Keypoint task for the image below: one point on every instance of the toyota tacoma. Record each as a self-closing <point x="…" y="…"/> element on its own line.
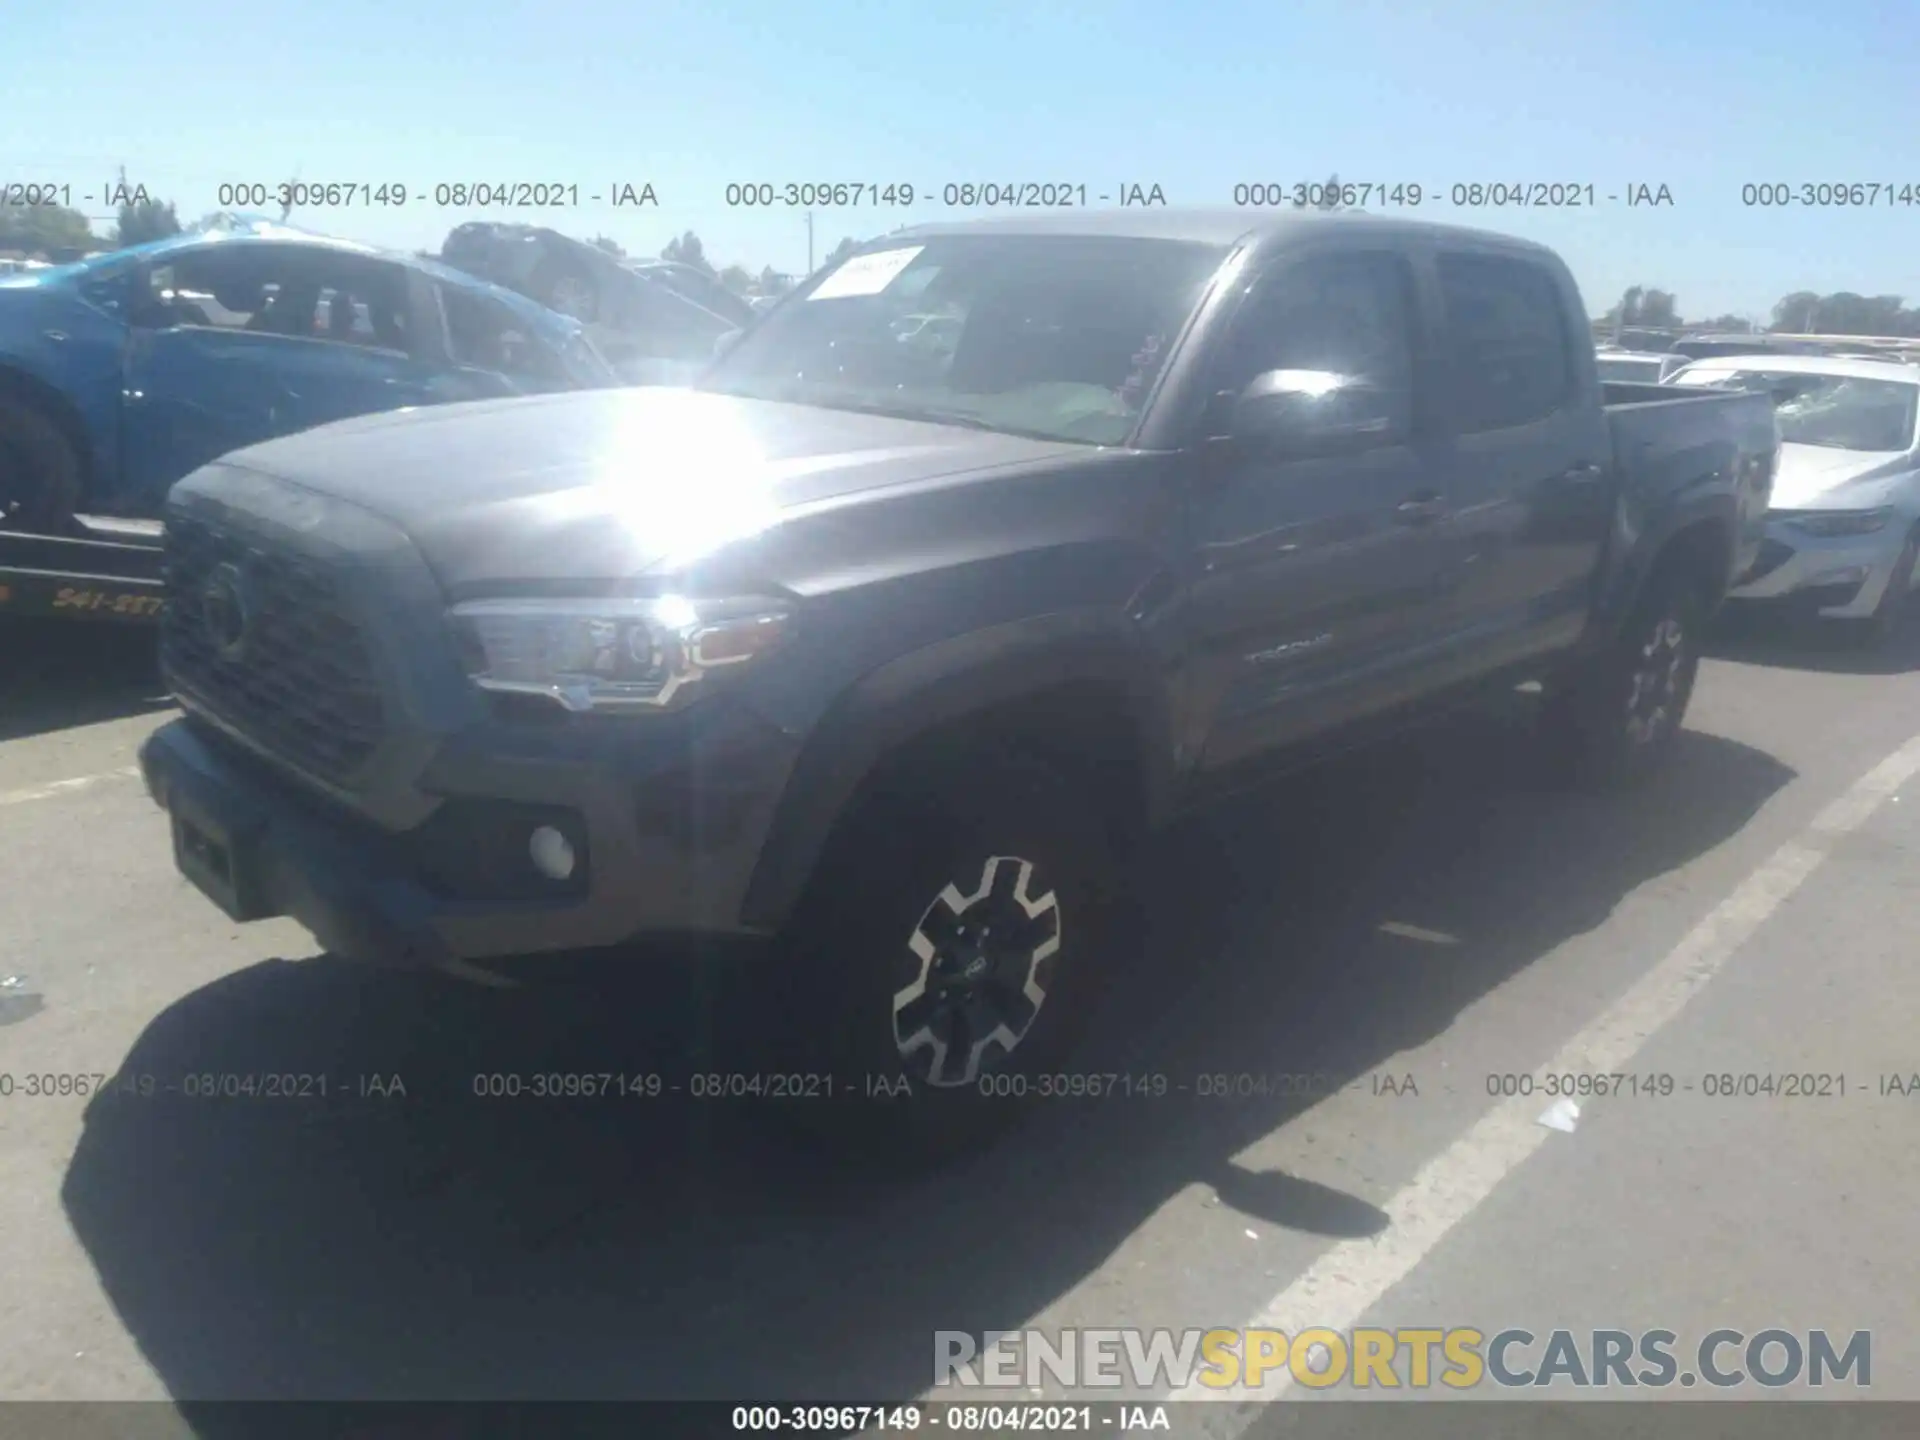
<point x="884" y="655"/>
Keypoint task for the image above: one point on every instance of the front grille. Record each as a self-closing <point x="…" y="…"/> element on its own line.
<point x="301" y="684"/>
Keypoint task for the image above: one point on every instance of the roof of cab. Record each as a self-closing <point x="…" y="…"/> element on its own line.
<point x="1221" y="225"/>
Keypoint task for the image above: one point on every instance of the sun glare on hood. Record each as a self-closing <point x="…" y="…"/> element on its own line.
<point x="686" y="479"/>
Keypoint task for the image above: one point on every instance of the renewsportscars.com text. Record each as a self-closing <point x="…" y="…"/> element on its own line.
<point x="1459" y="1358"/>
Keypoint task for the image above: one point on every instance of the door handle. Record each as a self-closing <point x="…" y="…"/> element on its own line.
<point x="1420" y="509"/>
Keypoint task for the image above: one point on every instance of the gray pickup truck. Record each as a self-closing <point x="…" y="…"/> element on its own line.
<point x="884" y="654"/>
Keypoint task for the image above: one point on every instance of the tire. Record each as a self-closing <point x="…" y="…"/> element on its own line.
<point x="901" y="914"/>
<point x="1618" y="721"/>
<point x="561" y="288"/>
<point x="39" y="472"/>
<point x="1894" y="607"/>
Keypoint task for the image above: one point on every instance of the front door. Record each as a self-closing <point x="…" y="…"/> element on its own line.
<point x="1320" y="583"/>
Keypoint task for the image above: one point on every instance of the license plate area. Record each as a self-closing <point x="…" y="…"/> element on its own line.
<point x="221" y="860"/>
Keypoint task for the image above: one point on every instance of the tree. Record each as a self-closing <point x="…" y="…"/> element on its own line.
<point x="772" y="282"/>
<point x="1843" y="313"/>
<point x="612" y="247"/>
<point x="687" y="250"/>
<point x="840" y="252"/>
<point x="1658" y="310"/>
<point x="143" y="220"/>
<point x="1645" y="308"/>
<point x="40" y="229"/>
<point x="737" y="278"/>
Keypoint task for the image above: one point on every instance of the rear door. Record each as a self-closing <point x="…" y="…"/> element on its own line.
<point x="1529" y="455"/>
<point x="1319" y="584"/>
<point x="238" y="343"/>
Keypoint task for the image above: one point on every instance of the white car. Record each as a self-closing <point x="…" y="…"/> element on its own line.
<point x="1844" y="525"/>
<point x="1635" y="365"/>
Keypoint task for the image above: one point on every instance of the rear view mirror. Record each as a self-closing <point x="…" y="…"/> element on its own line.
<point x="1313" y="411"/>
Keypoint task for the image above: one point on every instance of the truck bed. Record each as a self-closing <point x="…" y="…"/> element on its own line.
<point x="110" y="571"/>
<point x="1669" y="440"/>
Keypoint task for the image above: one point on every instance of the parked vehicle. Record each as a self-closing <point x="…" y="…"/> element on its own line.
<point x="1635" y="366"/>
<point x="887" y="657"/>
<point x="698" y="286"/>
<point x="121" y="373"/>
<point x="636" y="310"/>
<point x="1706" y="347"/>
<point x="1844" y="529"/>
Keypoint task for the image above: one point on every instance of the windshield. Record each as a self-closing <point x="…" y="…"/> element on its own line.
<point x="1838" y="412"/>
<point x="1060" y="337"/>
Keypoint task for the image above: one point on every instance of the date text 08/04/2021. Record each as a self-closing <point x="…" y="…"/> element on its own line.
<point x="962" y="1416"/>
<point x="789" y="1087"/>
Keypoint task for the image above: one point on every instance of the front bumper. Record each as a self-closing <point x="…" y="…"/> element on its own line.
<point x="666" y="835"/>
<point x="1841" y="577"/>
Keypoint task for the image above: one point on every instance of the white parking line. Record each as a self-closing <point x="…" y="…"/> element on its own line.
<point x="1339" y="1288"/>
<point x="65" y="787"/>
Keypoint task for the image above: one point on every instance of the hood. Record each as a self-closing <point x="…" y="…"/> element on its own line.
<point x="608" y="484"/>
<point x="1817" y="477"/>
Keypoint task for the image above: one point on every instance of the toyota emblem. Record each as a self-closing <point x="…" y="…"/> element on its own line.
<point x="225" y="611"/>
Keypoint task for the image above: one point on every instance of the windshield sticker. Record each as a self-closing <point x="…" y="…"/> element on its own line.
<point x="866" y="274"/>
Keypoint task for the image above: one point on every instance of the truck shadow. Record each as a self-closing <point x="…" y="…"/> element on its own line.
<point x="58" y="674"/>
<point x="1785" y="643"/>
<point x="371" y="1246"/>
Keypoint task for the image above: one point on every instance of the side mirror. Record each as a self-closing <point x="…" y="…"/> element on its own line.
<point x="725" y="341"/>
<point x="1312" y="412"/>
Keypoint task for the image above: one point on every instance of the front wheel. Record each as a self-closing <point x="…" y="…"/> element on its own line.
<point x="944" y="960"/>
<point x="1618" y="720"/>
<point x="39" y="472"/>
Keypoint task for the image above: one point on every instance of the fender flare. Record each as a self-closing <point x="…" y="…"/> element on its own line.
<point x="1712" y="511"/>
<point x="937" y="687"/>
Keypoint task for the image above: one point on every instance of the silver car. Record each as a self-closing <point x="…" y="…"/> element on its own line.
<point x="1636" y="365"/>
<point x="1844" y="525"/>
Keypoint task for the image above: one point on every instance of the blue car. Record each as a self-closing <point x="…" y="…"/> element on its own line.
<point x="125" y="371"/>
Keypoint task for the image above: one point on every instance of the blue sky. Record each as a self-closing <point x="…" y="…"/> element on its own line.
<point x="1195" y="97"/>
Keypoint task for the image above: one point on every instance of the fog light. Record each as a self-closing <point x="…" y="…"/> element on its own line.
<point x="552" y="853"/>
<point x="1851" y="575"/>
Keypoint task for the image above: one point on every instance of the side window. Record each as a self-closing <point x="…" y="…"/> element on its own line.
<point x="290" y="291"/>
<point x="226" y="289"/>
<point x="1513" y="361"/>
<point x="364" y="308"/>
<point x="484" y="335"/>
<point x="1347" y="315"/>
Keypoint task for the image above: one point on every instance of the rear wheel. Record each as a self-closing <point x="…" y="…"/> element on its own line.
<point x="39" y="472"/>
<point x="1618" y="720"/>
<point x="945" y="958"/>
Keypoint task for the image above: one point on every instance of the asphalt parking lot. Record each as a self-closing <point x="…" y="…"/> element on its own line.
<point x="1429" y="912"/>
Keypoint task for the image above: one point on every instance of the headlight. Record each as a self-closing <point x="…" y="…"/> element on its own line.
<point x="612" y="654"/>
<point x="1833" y="523"/>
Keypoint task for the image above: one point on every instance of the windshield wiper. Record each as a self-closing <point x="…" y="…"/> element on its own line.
<point x="930" y="414"/>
